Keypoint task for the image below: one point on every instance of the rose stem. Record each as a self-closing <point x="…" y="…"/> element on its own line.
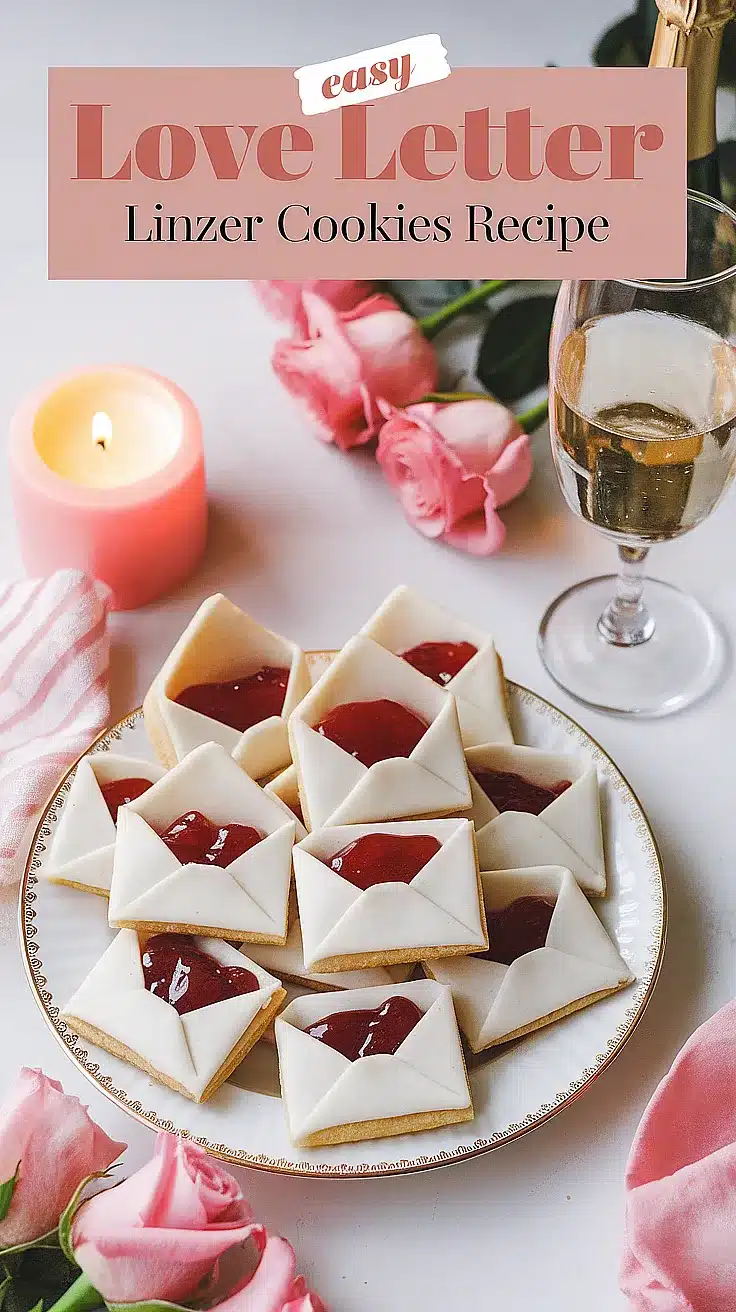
<point x="431" y="323"/>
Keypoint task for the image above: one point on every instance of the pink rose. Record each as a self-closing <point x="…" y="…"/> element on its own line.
<point x="283" y="300"/>
<point x="351" y="358"/>
<point x="273" y="1286"/>
<point x="453" y="464"/>
<point x="161" y="1232"/>
<point x="57" y="1145"/>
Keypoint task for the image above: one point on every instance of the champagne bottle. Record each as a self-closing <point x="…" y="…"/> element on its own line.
<point x="689" y="34"/>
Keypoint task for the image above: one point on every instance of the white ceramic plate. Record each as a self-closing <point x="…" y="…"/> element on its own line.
<point x="64" y="932"/>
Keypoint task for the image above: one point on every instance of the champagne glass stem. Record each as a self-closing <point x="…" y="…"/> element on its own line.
<point x="626" y="622"/>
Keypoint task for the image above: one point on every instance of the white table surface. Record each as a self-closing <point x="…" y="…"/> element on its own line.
<point x="310" y="541"/>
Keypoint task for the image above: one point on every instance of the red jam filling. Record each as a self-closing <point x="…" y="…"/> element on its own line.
<point x="373" y="731"/>
<point x="519" y="928"/>
<point x="383" y="858"/>
<point x="119" y="791"/>
<point x="177" y="971"/>
<point x="510" y="792"/>
<point x="194" y="838"/>
<point x="242" y="702"/>
<point x="366" y="1033"/>
<point x="440" y="661"/>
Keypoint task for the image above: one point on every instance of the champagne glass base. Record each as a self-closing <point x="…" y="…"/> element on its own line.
<point x="677" y="665"/>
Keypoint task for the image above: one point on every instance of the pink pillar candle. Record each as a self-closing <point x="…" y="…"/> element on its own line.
<point x="107" y="475"/>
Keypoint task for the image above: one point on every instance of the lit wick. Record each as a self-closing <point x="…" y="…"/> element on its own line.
<point x="101" y="430"/>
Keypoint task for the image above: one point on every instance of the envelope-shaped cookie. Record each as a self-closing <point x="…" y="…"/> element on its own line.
<point x="346" y="925"/>
<point x="284" y="790"/>
<point x="331" y="1099"/>
<point x="335" y="787"/>
<point x="288" y="963"/>
<point x="409" y="626"/>
<point x="565" y="832"/>
<point x="576" y="964"/>
<point x="285" y="786"/>
<point x="191" y="1053"/>
<point x="84" y="840"/>
<point x="247" y="899"/>
<point x="220" y="646"/>
<point x="292" y="992"/>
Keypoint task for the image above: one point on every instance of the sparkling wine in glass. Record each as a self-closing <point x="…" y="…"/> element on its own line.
<point x="643" y="428"/>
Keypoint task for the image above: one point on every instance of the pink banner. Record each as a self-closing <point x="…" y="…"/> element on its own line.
<point x="513" y="173"/>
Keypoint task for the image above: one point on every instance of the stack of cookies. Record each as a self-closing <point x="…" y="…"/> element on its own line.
<point x="375" y="847"/>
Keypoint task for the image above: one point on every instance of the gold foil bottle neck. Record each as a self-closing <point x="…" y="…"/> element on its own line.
<point x="689" y="34"/>
<point x="695" y="15"/>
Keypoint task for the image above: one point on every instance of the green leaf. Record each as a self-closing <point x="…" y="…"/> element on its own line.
<point x="7" y="1189"/>
<point x="513" y="354"/>
<point x="620" y="46"/>
<point x="628" y="42"/>
<point x="42" y="1277"/>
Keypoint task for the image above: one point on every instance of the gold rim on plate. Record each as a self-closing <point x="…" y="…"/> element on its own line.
<point x="239" y="1157"/>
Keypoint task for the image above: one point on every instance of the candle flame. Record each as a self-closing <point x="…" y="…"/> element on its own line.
<point x="101" y="429"/>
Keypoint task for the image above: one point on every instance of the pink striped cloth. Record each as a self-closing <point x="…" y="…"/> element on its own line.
<point x="54" y="654"/>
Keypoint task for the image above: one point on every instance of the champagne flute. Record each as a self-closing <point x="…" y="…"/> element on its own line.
<point x="643" y="430"/>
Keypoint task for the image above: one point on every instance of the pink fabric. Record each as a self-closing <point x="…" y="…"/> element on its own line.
<point x="680" y="1251"/>
<point x="54" y="653"/>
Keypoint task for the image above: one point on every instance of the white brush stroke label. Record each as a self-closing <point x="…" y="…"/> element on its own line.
<point x="372" y="74"/>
